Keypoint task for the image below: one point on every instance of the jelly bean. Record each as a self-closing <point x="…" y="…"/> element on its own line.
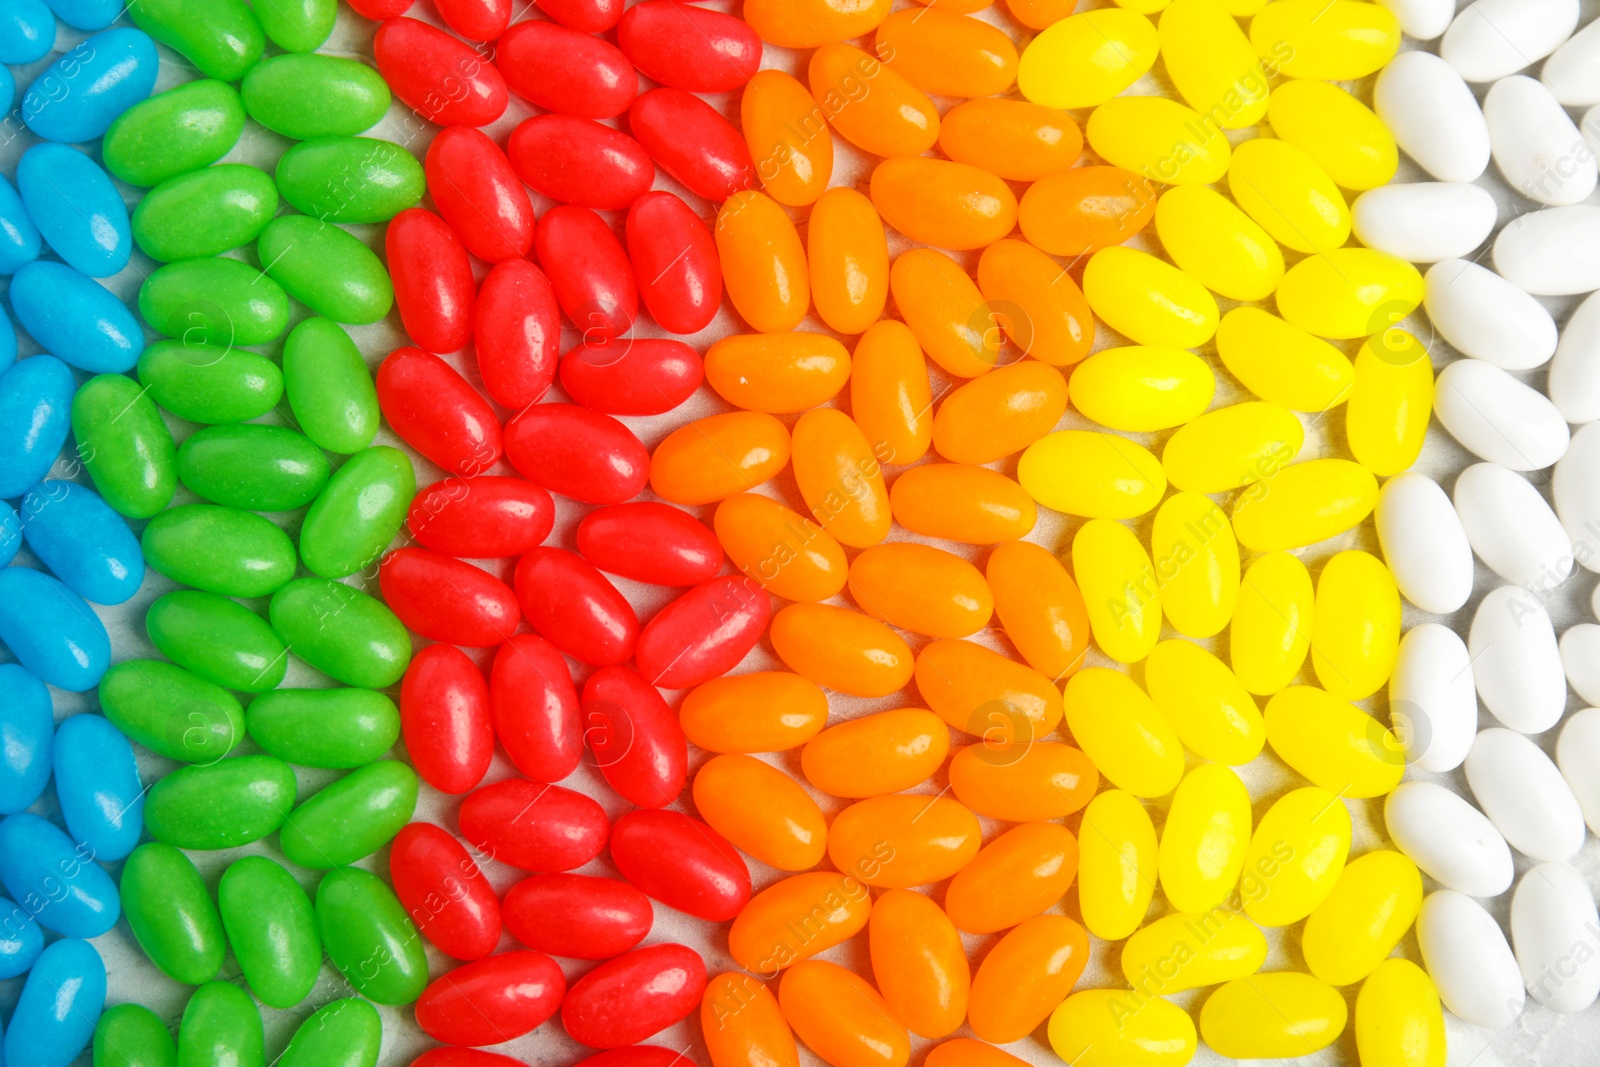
<point x="966" y="1052"/>
<point x="27" y="726"/>
<point x="20" y="242"/>
<point x="1356" y="625"/>
<point x="67" y="312"/>
<point x="1197" y="564"/>
<point x="357" y="514"/>
<point x="444" y="892"/>
<point x="223" y="41"/>
<point x="171" y="711"/>
<point x="433" y="408"/>
<point x="1348" y="43"/>
<point x="444" y="712"/>
<point x="841" y="1018"/>
<point x="681" y="862"/>
<point x="900" y="841"/>
<point x="869" y="103"/>
<point x="1498" y="418"/>
<point x="590" y="16"/>
<point x="704" y="633"/>
<point x="768" y="711"/>
<point x="692" y="143"/>
<point x="1398" y="1019"/>
<point x="814" y="22"/>
<point x="765" y="937"/>
<point x="1432" y="688"/>
<point x="369" y="647"/>
<point x="1040" y="608"/>
<point x="271" y="929"/>
<point x="1295" y="856"/>
<point x="204" y="212"/>
<point x="1024" y="977"/>
<point x="210" y="384"/>
<point x="946" y="53"/>
<point x="481" y="518"/>
<point x="27" y="32"/>
<point x="85" y="543"/>
<point x="1141" y="389"/>
<point x="343" y="1033"/>
<point x="1217" y="244"/>
<point x="1304" y="503"/>
<point x="1206" y="704"/>
<point x="1077" y="212"/>
<point x="1020" y="780"/>
<point x="574" y="160"/>
<point x="1204" y="839"/>
<point x="349" y="179"/>
<point x="1212" y="63"/>
<point x="1137" y="750"/>
<point x="566" y="70"/>
<point x="1041" y="309"/>
<point x="1476" y="972"/>
<point x="577" y="916"/>
<point x="573" y="606"/>
<point x="979" y="691"/>
<point x="306" y="95"/>
<point x="477" y="20"/>
<point x="1232" y="446"/>
<point x="219" y="550"/>
<point x="1086" y="60"/>
<point x="934" y="296"/>
<point x="1566" y="73"/>
<point x="1162" y="958"/>
<point x="787" y="137"/>
<point x="171" y="914"/>
<point x="840" y="479"/>
<point x="326" y="269"/>
<point x="1065" y="471"/>
<point x="55" y="1016"/>
<point x="515" y="322"/>
<point x="690" y="48"/>
<point x="433" y="283"/>
<point x="97" y="786"/>
<point x="841" y="649"/>
<point x="1529" y="802"/>
<point x="1410" y="221"/>
<point x="51" y="631"/>
<point x="1576" y="738"/>
<point x="1390" y="401"/>
<point x="216" y="301"/>
<point x="1271" y="631"/>
<point x="10" y="533"/>
<point x="1117" y="867"/>
<point x="479" y="195"/>
<point x="1449" y="839"/>
<point x="1349" y="292"/>
<point x="1548" y="913"/>
<point x="634" y="736"/>
<point x="720" y="455"/>
<point x="849" y="260"/>
<point x="1338" y="132"/>
<point x="1282" y="363"/>
<point x="920" y="588"/>
<point x="633" y="996"/>
<point x="174" y="132"/>
<point x="36" y="397"/>
<point x="220" y="805"/>
<point x="439" y="77"/>
<point x="378" y="10"/>
<point x="881" y="753"/>
<point x="55" y="879"/>
<point x="1272" y="1015"/>
<point x="221" y="1022"/>
<point x="533" y="826"/>
<point x="1156" y="138"/>
<point x="257" y="468"/>
<point x="77" y="210"/>
<point x="1148" y="300"/>
<point x="1483" y="315"/>
<point x="960" y="502"/>
<point x="942" y="203"/>
<point x="631" y="375"/>
<point x="1433" y="116"/>
<point x="219" y="640"/>
<point x="1013" y="878"/>
<point x="535" y="708"/>
<point x="1015" y="139"/>
<point x="491" y="1000"/>
<point x="131" y="1035"/>
<point x="324" y="727"/>
<point x="762" y="811"/>
<point x="674" y="261"/>
<point x="576" y="452"/>
<point x="742" y="1023"/>
<point x="1292" y="198"/>
<point x="919" y="961"/>
<point x="779" y="548"/>
<point x="1371" y="906"/>
<point x="589" y="271"/>
<point x="298" y="27"/>
<point x="78" y="96"/>
<point x="369" y="938"/>
<point x="329" y="387"/>
<point x="763" y="263"/>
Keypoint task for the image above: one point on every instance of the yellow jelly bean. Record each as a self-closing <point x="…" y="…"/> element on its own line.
<point x="1148" y="299"/>
<point x="1038" y="304"/>
<point x="789" y="142"/>
<point x="942" y="203"/>
<point x="1000" y="413"/>
<point x="1271" y="631"/>
<point x="1159" y="139"/>
<point x="1197" y="564"/>
<point x="1355" y="637"/>
<point x="1179" y="952"/>
<point x="946" y="53"/>
<point x="1116" y="864"/>
<point x="1304" y="503"/>
<point x="1334" y="743"/>
<point x="1119" y="1028"/>
<point x="1370" y="909"/>
<point x="1015" y="139"/>
<point x="942" y="305"/>
<point x="1203" y="841"/>
<point x="1232" y="446"/>
<point x="1336" y="130"/>
<point x="890" y="398"/>
<point x="1398" y="1019"/>
<point x="1118" y="728"/>
<point x="961" y="502"/>
<point x="1139" y="388"/>
<point x="1295" y="856"/>
<point x="1215" y="243"/>
<point x="1120" y="591"/>
<point x="1349" y="292"/>
<point x="1283" y="364"/>
<point x="763" y="262"/>
<point x="1212" y="63"/>
<point x="1328" y="40"/>
<point x="1087" y="59"/>
<point x="1209" y="708"/>
<point x="1096" y="475"/>
<point x="1386" y="419"/>
<point x="1143" y="7"/>
<point x="848" y="257"/>
<point x="1273" y="1016"/>
<point x="1292" y="198"/>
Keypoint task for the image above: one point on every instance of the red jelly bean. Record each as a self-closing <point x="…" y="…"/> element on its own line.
<point x="576" y="160"/>
<point x="577" y="916"/>
<point x="590" y="16"/>
<point x="589" y="270"/>
<point x="675" y="261"/>
<point x="635" y="737"/>
<point x="435" y="411"/>
<point x="517" y="333"/>
<point x="477" y="192"/>
<point x="650" y="542"/>
<point x="632" y="375"/>
<point x="681" y="862"/>
<point x="693" y="143"/>
<point x="463" y="1057"/>
<point x="704" y="633"/>
<point x="535" y="710"/>
<point x="439" y="77"/>
<point x="689" y="47"/>
<point x="566" y="70"/>
<point x="476" y="20"/>
<point x="575" y="608"/>
<point x="637" y="1056"/>
<point x="444" y="892"/>
<point x="582" y="454"/>
<point x="378" y="10"/>
<point x="481" y="518"/>
<point x="534" y="826"/>
<point x="433" y="286"/>
<point x="445" y="599"/>
<point x="625" y="1000"/>
<point x="444" y="718"/>
<point x="492" y="1000"/>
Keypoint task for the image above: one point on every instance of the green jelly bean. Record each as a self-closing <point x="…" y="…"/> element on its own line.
<point x="350" y="179"/>
<point x="221" y="1027"/>
<point x="326" y="269"/>
<point x="342" y="632"/>
<point x="330" y="389"/>
<point x="125" y="446"/>
<point x="297" y="25"/>
<point x="171" y="914"/>
<point x="205" y="212"/>
<point x="220" y="805"/>
<point x="306" y="96"/>
<point x="324" y="727"/>
<point x="370" y="938"/>
<point x="258" y="468"/>
<point x="222" y="38"/>
<point x="216" y="301"/>
<point x="218" y="639"/>
<point x="210" y="383"/>
<point x="358" y="514"/>
<point x="352" y="818"/>
<point x="272" y="930"/>
<point x="345" y="1033"/>
<point x="171" y="711"/>
<point x="131" y="1035"/>
<point x="174" y="132"/>
<point x="221" y="550"/>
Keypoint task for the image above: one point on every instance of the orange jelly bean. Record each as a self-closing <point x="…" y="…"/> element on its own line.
<point x="761" y="810"/>
<point x="1000" y="414"/>
<point x="984" y="693"/>
<point x="876" y="754"/>
<point x="1015" y="139"/>
<point x="920" y="588"/>
<point x="1034" y="14"/>
<point x="945" y="311"/>
<point x="786" y="552"/>
<point x="1013" y="878"/>
<point x="798" y="917"/>
<point x="789" y="140"/>
<point x="919" y="961"/>
<point x="890" y="398"/>
<point x="778" y="373"/>
<point x="841" y="1017"/>
<point x="902" y="840"/>
<point x="964" y="1052"/>
<point x="944" y="204"/>
<point x="840" y="479"/>
<point x="1022" y="781"/>
<point x="809" y="23"/>
<point x="1025" y="976"/>
<point x="1036" y="302"/>
<point x="841" y="649"/>
<point x="763" y="262"/>
<point x="849" y="259"/>
<point x="1040" y="607"/>
<point x="961" y="502"/>
<point x="945" y="53"/>
<point x="743" y="1025"/>
<point x="1080" y="211"/>
<point x="718" y="456"/>
<point x="871" y="106"/>
<point x="765" y="711"/>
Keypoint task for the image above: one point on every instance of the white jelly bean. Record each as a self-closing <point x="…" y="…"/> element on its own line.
<point x="1424" y="222"/>
<point x="1497" y="418"/>
<point x="1516" y="662"/>
<point x="1493" y="38"/>
<point x="1483" y="315"/>
<point x="1578" y="756"/>
<point x="1580" y="660"/>
<point x="1572" y="72"/>
<point x="1511" y="527"/>
<point x="1555" y="930"/>
<point x="1449" y="839"/>
<point x="1423" y="543"/>
<point x="1422" y="19"/>
<point x="1524" y="795"/>
<point x="1574" y="383"/>
<point x="1432" y="701"/>
<point x="1468" y="959"/>
<point x="1553" y="252"/>
<point x="1537" y="147"/>
<point x="1433" y="116"/>
<point x="1575" y="486"/>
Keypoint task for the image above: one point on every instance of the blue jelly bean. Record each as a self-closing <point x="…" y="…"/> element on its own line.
<point x="26" y="725"/>
<point x="87" y="15"/>
<point x="54" y="880"/>
<point x="10" y="533"/>
<point x="35" y="416"/>
<point x="19" y="237"/>
<point x="76" y="318"/>
<point x="20" y="940"/>
<point x="8" y="338"/>
<point x="97" y="786"/>
<point x="77" y="210"/>
<point x="81" y="94"/>
<point x="27" y="31"/>
<point x="8" y="86"/>
<point x="51" y="631"/>
<point x="83" y="542"/>
<point x="60" y="1004"/>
